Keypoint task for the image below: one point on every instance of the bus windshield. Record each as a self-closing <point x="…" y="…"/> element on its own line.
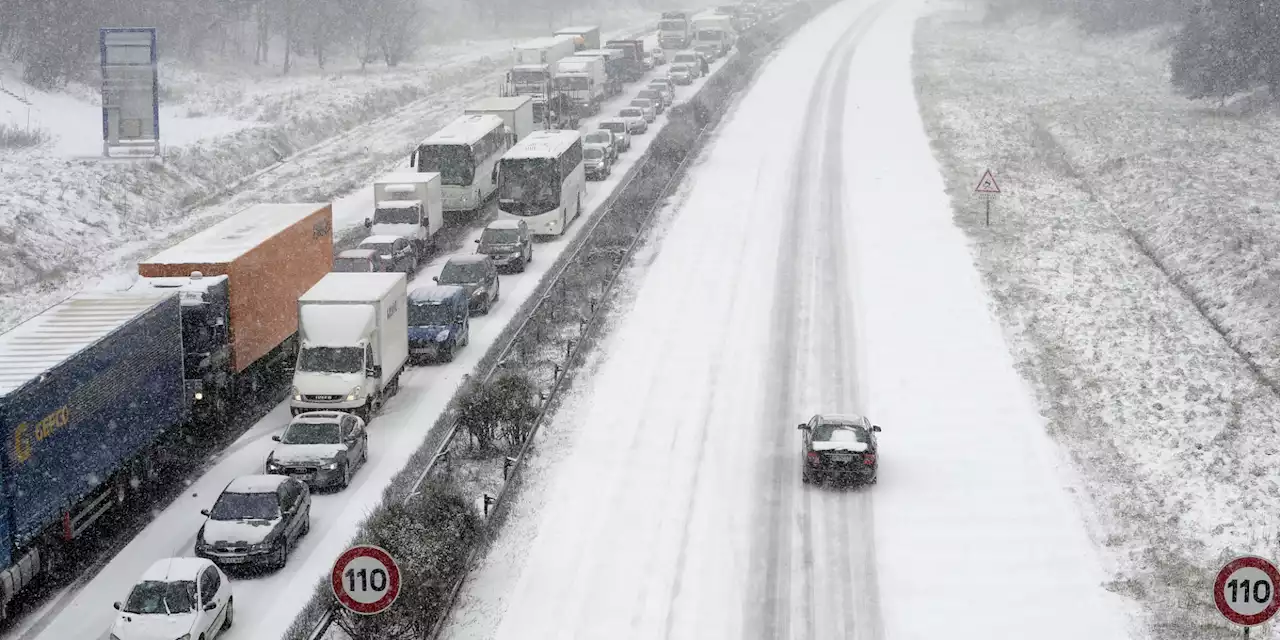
<point x="529" y="186"/>
<point x="454" y="163"/>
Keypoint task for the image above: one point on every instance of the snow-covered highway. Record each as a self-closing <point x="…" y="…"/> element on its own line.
<point x="811" y="266"/>
<point x="265" y="605"/>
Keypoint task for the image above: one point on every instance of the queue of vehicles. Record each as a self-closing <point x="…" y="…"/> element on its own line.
<point x="218" y="320"/>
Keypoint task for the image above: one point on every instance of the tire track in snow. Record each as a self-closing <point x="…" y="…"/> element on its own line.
<point x="774" y="517"/>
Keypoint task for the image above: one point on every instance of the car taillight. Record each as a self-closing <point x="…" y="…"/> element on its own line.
<point x="814" y="458"/>
<point x="868" y="458"/>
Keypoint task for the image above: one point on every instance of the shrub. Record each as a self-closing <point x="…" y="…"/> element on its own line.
<point x="504" y="407"/>
<point x="14" y="137"/>
<point x="431" y="539"/>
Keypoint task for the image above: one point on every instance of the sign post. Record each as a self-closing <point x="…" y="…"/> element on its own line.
<point x="130" y="89"/>
<point x="365" y="579"/>
<point x="1245" y="591"/>
<point x="988" y="188"/>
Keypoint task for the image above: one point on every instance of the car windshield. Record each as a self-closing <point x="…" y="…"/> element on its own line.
<point x="616" y="127"/>
<point x="641" y="103"/>
<point x="331" y="359"/>
<point x="425" y="314"/>
<point x="153" y="597"/>
<point x="454" y="162"/>
<point x="312" y="433"/>
<point x="245" y="506"/>
<point x="841" y="433"/>
<point x="649" y="94"/>
<point x="499" y="236"/>
<point x="593" y="153"/>
<point x="352" y="265"/>
<point x="461" y="273"/>
<point x="679" y="69"/>
<point x="395" y="215"/>
<point x="599" y="137"/>
<point x="631" y="113"/>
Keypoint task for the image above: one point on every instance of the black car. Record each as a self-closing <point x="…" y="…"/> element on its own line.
<point x="839" y="446"/>
<point x="256" y="521"/>
<point x="394" y="253"/>
<point x="508" y="243"/>
<point x="477" y="275"/>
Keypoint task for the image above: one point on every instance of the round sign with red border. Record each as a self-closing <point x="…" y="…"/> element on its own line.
<point x="366" y="579"/>
<point x="1245" y="591"/>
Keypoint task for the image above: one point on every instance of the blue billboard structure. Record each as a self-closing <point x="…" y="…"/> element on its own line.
<point x="130" y="90"/>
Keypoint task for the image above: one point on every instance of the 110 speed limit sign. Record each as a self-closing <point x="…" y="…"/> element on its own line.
<point x="1245" y="591"/>
<point x="366" y="579"/>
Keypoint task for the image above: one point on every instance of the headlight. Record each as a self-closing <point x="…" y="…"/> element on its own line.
<point x="355" y="393"/>
<point x="272" y="466"/>
<point x="260" y="547"/>
<point x="480" y="291"/>
<point x="329" y="467"/>
<point x="442" y="336"/>
<point x="293" y="391"/>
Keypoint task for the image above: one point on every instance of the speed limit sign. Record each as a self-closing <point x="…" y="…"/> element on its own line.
<point x="366" y="579"/>
<point x="1245" y="591"/>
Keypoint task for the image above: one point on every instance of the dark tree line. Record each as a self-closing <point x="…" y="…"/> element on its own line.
<point x="1224" y="46"/>
<point x="57" y="40"/>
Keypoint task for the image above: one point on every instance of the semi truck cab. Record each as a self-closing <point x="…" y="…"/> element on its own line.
<point x="206" y="340"/>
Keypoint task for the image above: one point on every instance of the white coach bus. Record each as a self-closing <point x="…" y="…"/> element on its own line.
<point x="541" y="181"/>
<point x="464" y="153"/>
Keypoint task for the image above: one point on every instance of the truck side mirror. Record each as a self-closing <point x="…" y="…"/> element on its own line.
<point x="276" y="438"/>
<point x="375" y="371"/>
<point x="494" y="174"/>
<point x="435" y="278"/>
<point x="413" y="158"/>
<point x="368" y="223"/>
<point x="803" y="426"/>
<point x="477" y="240"/>
<point x="875" y="427"/>
<point x="204" y="512"/>
<point x="117" y="606"/>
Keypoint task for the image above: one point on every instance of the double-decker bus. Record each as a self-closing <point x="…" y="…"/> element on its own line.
<point x="541" y="180"/>
<point x="464" y="153"/>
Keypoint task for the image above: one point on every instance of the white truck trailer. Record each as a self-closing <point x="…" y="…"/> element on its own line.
<point x="714" y="29"/>
<point x="533" y="74"/>
<point x="584" y="79"/>
<point x="410" y="205"/>
<point x="515" y="111"/>
<point x="584" y="37"/>
<point x="355" y="343"/>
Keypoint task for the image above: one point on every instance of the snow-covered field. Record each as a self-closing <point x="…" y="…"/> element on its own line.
<point x="664" y="500"/>
<point x="1173" y="431"/>
<point x="68" y="218"/>
<point x="266" y="605"/>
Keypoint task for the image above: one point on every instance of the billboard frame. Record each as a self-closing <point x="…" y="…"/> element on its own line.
<point x="104" y="44"/>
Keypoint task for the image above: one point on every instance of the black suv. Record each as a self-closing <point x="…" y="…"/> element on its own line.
<point x="477" y="275"/>
<point x="839" y="446"/>
<point x="508" y="242"/>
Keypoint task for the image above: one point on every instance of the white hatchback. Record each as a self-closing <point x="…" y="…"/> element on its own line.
<point x="176" y="598"/>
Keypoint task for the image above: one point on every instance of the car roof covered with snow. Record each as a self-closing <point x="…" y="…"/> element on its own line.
<point x="44" y="342"/>
<point x="505" y="223"/>
<point x="319" y="416"/>
<point x="842" y="418"/>
<point x="175" y="569"/>
<point x="384" y="239"/>
<point x="434" y="294"/>
<point x="618" y="121"/>
<point x="358" y="253"/>
<point x="255" y="484"/>
<point x="470" y="258"/>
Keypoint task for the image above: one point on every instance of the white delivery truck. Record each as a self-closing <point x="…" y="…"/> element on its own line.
<point x="533" y="74"/>
<point x="584" y="79"/>
<point x="584" y="37"/>
<point x="409" y="205"/>
<point x="354" y="330"/>
<point x="516" y="112"/>
<point x="714" y="29"/>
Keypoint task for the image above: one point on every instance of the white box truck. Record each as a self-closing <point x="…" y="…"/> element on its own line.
<point x="590" y="36"/>
<point x="584" y="79"/>
<point x="533" y="74"/>
<point x="515" y="111"/>
<point x="409" y="205"/>
<point x="548" y="50"/>
<point x="354" y="330"/>
<point x="716" y="30"/>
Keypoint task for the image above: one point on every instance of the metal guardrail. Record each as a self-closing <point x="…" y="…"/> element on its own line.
<point x="552" y="280"/>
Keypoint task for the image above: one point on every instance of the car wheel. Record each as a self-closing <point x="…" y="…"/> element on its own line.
<point x="230" y="618"/>
<point x="283" y="557"/>
<point x="306" y="524"/>
<point x="346" y="482"/>
<point x="448" y="354"/>
<point x="497" y="290"/>
<point x="524" y="264"/>
<point x="806" y="477"/>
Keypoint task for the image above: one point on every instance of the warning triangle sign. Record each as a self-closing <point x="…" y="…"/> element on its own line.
<point x="987" y="184"/>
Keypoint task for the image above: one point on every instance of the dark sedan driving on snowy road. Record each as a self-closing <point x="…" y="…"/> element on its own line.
<point x="839" y="446"/>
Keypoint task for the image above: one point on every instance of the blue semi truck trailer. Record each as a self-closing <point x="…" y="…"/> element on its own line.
<point x="87" y="389"/>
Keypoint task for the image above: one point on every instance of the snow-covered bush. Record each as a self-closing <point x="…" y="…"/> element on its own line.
<point x="14" y="137"/>
<point x="505" y="407"/>
<point x="430" y="538"/>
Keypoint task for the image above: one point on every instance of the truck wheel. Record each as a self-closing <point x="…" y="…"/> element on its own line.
<point x="448" y="354"/>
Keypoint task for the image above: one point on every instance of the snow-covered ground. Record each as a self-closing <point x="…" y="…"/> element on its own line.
<point x="1173" y="431"/>
<point x="665" y="498"/>
<point x="67" y="220"/>
<point x="266" y="605"/>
